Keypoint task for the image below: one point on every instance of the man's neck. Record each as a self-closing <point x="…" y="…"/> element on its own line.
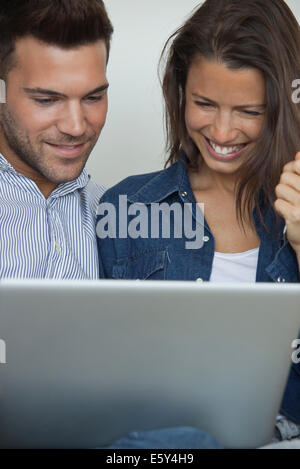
<point x="45" y="186"/>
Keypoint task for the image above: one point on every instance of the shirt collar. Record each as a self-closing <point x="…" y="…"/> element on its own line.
<point x="5" y="165"/>
<point x="77" y="184"/>
<point x="67" y="187"/>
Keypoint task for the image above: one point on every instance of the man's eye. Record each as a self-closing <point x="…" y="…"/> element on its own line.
<point x="94" y="99"/>
<point x="44" y="100"/>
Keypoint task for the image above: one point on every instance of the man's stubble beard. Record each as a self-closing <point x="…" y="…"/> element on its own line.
<point x="19" y="142"/>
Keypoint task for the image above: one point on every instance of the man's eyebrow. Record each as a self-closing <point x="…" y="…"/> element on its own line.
<point x="243" y="106"/>
<point x="44" y="91"/>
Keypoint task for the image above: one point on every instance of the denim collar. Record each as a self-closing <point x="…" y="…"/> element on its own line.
<point x="175" y="179"/>
<point x="165" y="183"/>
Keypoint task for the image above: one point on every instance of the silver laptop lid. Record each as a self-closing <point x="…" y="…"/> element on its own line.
<point x="87" y="362"/>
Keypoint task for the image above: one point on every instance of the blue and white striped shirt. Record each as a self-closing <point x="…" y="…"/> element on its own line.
<point x="52" y="238"/>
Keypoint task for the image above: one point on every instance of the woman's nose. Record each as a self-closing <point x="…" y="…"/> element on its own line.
<point x="222" y="130"/>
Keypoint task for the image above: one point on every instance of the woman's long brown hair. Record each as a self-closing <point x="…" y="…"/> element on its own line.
<point x="260" y="34"/>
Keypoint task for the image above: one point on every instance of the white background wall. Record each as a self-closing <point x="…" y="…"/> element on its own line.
<point x="132" y="141"/>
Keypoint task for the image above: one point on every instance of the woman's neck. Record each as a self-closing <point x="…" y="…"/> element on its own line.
<point x="206" y="180"/>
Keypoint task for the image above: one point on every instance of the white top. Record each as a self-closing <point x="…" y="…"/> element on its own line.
<point x="240" y="267"/>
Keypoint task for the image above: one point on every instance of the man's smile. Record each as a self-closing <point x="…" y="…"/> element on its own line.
<point x="67" y="150"/>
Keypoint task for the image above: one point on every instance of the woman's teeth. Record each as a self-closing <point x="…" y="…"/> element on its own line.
<point x="225" y="150"/>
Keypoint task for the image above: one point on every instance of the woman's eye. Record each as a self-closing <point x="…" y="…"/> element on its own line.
<point x="202" y="104"/>
<point x="252" y="113"/>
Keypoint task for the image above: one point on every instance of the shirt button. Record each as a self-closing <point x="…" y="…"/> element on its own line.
<point x="57" y="245"/>
<point x="200" y="280"/>
<point x="183" y="194"/>
<point x="206" y="239"/>
<point x="3" y="166"/>
<point x="281" y="280"/>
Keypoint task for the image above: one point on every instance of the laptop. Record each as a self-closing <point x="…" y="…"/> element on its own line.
<point x="82" y="363"/>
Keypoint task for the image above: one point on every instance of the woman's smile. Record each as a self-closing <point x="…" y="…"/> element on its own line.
<point x="225" y="152"/>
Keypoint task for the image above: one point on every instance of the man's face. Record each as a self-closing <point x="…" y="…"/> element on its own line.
<point x="56" y="106"/>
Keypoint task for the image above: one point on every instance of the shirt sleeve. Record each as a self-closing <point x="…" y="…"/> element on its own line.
<point x="284" y="268"/>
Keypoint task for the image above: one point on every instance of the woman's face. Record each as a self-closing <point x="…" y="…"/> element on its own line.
<point x="225" y="111"/>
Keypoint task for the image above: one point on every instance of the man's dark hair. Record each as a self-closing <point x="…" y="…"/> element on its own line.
<point x="63" y="23"/>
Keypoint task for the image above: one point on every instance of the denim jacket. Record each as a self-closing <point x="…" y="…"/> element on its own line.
<point x="166" y="258"/>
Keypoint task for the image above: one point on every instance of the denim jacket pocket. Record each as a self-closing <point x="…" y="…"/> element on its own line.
<point x="147" y="265"/>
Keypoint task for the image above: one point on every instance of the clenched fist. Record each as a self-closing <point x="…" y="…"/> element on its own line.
<point x="288" y="202"/>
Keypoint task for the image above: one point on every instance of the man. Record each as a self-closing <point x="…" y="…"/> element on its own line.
<point x="53" y="58"/>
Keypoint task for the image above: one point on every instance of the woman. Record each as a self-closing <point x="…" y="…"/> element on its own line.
<point x="233" y="136"/>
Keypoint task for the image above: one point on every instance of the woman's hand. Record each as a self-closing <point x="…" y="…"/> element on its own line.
<point x="288" y="202"/>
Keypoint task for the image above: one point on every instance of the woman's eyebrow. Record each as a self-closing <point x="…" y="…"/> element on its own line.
<point x="241" y="106"/>
<point x="204" y="98"/>
<point x="260" y="106"/>
<point x="47" y="92"/>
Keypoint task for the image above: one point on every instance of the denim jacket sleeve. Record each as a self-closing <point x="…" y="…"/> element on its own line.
<point x="121" y="257"/>
<point x="284" y="267"/>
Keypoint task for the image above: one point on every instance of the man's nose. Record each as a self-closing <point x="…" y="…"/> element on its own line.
<point x="72" y="121"/>
<point x="222" y="129"/>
